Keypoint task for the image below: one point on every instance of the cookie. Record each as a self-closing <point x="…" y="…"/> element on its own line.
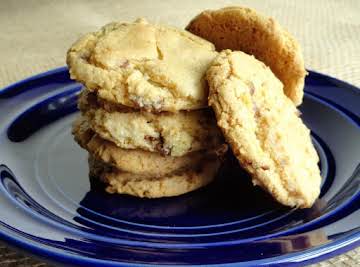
<point x="173" y="184"/>
<point x="244" y="29"/>
<point x="144" y="66"/>
<point x="263" y="128"/>
<point x="174" y="134"/>
<point x="135" y="160"/>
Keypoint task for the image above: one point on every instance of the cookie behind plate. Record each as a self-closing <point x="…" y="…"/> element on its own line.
<point x="244" y="29"/>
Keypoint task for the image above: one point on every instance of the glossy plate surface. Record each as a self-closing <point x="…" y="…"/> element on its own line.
<point x="49" y="207"/>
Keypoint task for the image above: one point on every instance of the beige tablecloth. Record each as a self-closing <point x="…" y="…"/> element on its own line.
<point x="34" y="37"/>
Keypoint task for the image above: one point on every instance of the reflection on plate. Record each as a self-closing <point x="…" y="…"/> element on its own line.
<point x="51" y="208"/>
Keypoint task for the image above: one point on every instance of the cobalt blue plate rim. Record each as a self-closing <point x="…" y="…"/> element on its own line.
<point x="335" y="247"/>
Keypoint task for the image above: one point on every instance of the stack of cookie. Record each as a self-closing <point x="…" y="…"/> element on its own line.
<point x="144" y="115"/>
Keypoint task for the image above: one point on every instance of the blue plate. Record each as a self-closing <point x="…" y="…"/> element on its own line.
<point x="49" y="207"/>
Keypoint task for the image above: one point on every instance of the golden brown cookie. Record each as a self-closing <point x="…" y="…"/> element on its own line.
<point x="173" y="184"/>
<point x="263" y="128"/>
<point x="144" y="66"/>
<point x="135" y="160"/>
<point x="244" y="29"/>
<point x="174" y="134"/>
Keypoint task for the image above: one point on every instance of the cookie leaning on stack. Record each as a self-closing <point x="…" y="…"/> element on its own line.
<point x="263" y="128"/>
<point x="143" y="117"/>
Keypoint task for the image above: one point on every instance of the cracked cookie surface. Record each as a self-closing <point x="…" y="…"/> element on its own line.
<point x="244" y="29"/>
<point x="263" y="128"/>
<point x="172" y="184"/>
<point x="143" y="66"/>
<point x="135" y="161"/>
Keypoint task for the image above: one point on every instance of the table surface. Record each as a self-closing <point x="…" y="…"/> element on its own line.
<point x="36" y="34"/>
